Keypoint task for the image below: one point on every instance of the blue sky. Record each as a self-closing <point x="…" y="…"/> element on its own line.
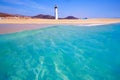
<point x="78" y="8"/>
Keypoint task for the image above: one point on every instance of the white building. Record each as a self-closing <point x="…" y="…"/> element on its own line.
<point x="56" y="12"/>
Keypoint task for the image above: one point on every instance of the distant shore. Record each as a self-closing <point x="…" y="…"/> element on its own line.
<point x="17" y="25"/>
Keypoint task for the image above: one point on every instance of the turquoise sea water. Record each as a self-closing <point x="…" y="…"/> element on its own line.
<point x="61" y="53"/>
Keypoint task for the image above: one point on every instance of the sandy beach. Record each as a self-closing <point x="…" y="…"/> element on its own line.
<point x="62" y="21"/>
<point x="17" y="25"/>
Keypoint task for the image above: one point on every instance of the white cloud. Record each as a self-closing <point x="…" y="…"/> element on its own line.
<point x="27" y="3"/>
<point x="25" y="6"/>
<point x="12" y="10"/>
<point x="16" y="2"/>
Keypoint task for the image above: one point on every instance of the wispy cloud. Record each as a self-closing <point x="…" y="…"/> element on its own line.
<point x="16" y="2"/>
<point x="27" y="4"/>
<point x="13" y="10"/>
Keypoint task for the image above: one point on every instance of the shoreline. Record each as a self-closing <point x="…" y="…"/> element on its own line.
<point x="61" y="21"/>
<point x="13" y="28"/>
<point x="17" y="25"/>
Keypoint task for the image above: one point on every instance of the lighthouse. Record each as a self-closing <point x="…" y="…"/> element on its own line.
<point x="56" y="12"/>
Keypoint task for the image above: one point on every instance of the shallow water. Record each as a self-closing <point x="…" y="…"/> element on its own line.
<point x="61" y="53"/>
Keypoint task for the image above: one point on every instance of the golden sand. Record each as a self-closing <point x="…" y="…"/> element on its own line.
<point x="63" y="21"/>
<point x="17" y="25"/>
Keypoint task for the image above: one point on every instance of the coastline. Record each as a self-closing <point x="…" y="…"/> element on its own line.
<point x="18" y="25"/>
<point x="12" y="28"/>
<point x="61" y="21"/>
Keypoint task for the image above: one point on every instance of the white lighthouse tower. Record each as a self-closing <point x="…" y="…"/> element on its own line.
<point x="56" y="12"/>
